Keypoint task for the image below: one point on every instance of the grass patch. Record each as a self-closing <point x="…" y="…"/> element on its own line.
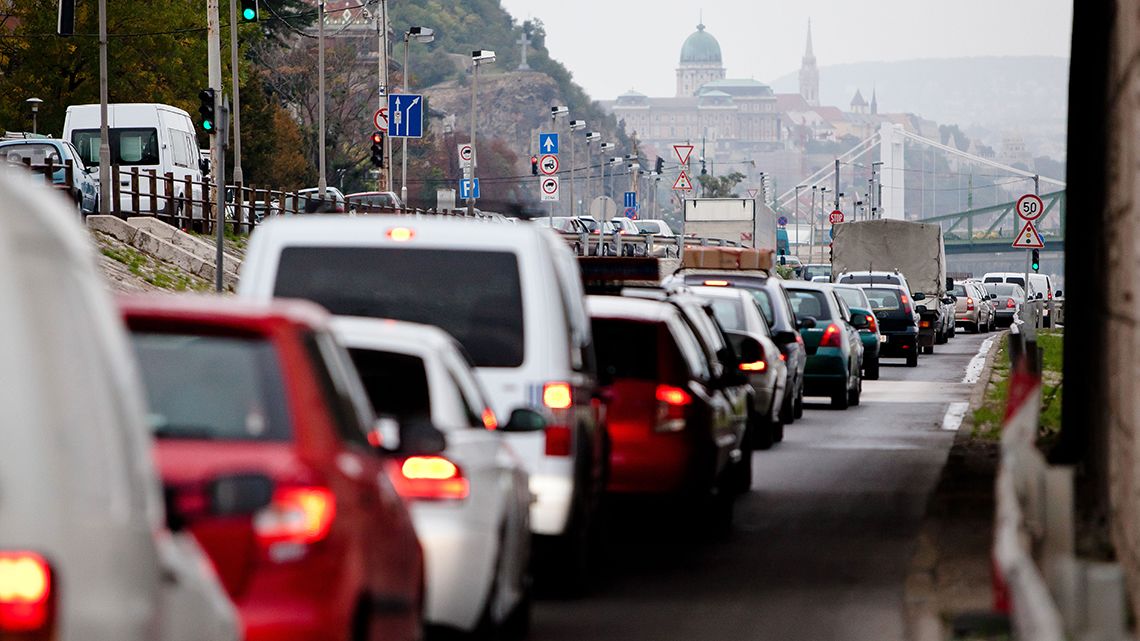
<point x="154" y="272"/>
<point x="988" y="417"/>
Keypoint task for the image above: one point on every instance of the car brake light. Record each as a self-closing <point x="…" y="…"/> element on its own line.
<point x="799" y="338"/>
<point x="904" y="299"/>
<point x="489" y="420"/>
<point x="296" y="515"/>
<point x="924" y="323"/>
<point x="755" y="366"/>
<point x="401" y="234"/>
<point x="969" y="304"/>
<point x="27" y="595"/>
<point x="783" y="357"/>
<point x="671" y="404"/>
<point x="559" y="399"/>
<point x="431" y="478"/>
<point x="557" y="396"/>
<point x="558" y="440"/>
<point x="716" y="283"/>
<point x="872" y="323"/>
<point x="1009" y="303"/>
<point x="830" y="337"/>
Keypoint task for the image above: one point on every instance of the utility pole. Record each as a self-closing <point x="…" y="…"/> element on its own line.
<point x="837" y="183"/>
<point x="236" y="115"/>
<point x="384" y="177"/>
<point x="322" y="182"/>
<point x="104" y="135"/>
<point x="811" y="217"/>
<point x="1029" y="252"/>
<point x="214" y="61"/>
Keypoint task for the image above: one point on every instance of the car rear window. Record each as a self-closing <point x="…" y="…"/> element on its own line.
<point x="1020" y="282"/>
<point x="729" y="313"/>
<point x="959" y="290"/>
<point x="1002" y="289"/>
<point x="213" y="387"/>
<point x="853" y="297"/>
<point x="475" y="296"/>
<point x="397" y="384"/>
<point x="809" y="303"/>
<point x="615" y="340"/>
<point x="37" y="154"/>
<point x="883" y="299"/>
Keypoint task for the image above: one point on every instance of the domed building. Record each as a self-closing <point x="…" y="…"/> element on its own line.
<point x="700" y="62"/>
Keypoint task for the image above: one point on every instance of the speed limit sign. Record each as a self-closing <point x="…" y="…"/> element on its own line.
<point x="1030" y="207"/>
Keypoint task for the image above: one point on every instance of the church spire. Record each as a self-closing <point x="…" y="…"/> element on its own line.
<point x="874" y="101"/>
<point x="809" y="73"/>
<point x="809" y="55"/>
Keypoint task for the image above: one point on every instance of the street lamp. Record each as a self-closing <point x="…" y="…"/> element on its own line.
<point x="479" y="56"/>
<point x="424" y="35"/>
<point x="575" y="125"/>
<point x="603" y="148"/>
<point x="796" y="217"/>
<point x="35" y="104"/>
<point x="591" y="136"/>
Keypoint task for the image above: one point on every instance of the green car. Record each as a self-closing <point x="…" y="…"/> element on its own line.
<point x="831" y="337"/>
<point x="858" y="304"/>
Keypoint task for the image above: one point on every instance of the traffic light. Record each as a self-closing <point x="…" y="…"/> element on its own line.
<point x="249" y="10"/>
<point x="377" y="149"/>
<point x="534" y="165"/>
<point x="659" y="166"/>
<point x="206" y="109"/>
<point x="65" y="25"/>
<point x="1036" y="262"/>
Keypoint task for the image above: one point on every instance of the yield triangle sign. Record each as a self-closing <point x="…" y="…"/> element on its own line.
<point x="752" y="193"/>
<point x="683" y="152"/>
<point x="1028" y="238"/>
<point x="683" y="183"/>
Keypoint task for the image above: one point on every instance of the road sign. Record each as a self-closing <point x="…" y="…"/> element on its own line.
<point x="752" y="193"/>
<point x="782" y="221"/>
<point x="683" y="183"/>
<point x="683" y="152"/>
<point x="630" y="212"/>
<point x="745" y="236"/>
<point x="406" y="115"/>
<point x="465" y="189"/>
<point x="630" y="201"/>
<point x="1030" y="207"/>
<point x="603" y="208"/>
<point x="548" y="164"/>
<point x="835" y="217"/>
<point x="466" y="154"/>
<point x="549" y="188"/>
<point x="1028" y="238"/>
<point x="380" y="119"/>
<point x="548" y="143"/>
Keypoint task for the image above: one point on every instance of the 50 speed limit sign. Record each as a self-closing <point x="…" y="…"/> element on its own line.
<point x="1030" y="207"/>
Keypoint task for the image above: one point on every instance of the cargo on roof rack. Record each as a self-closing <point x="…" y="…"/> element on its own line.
<point x="734" y="258"/>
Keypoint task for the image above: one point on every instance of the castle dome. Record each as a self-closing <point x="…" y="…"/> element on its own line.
<point x="700" y="48"/>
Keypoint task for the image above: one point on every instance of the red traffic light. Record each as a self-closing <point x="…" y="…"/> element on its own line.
<point x="377" y="138"/>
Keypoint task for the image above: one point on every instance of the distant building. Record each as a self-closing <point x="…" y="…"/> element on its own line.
<point x="809" y="74"/>
<point x="700" y="62"/>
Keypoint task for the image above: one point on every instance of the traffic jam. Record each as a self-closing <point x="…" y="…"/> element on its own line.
<point x="405" y="425"/>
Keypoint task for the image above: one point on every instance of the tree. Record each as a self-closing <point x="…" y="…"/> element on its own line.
<point x="720" y="186"/>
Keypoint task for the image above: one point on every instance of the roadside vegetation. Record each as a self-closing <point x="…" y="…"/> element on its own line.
<point x="154" y="272"/>
<point x="988" y="417"/>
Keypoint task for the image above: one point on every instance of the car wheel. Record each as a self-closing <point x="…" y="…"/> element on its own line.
<point x="912" y="359"/>
<point x="760" y="433"/>
<point x="741" y="473"/>
<point x="952" y="332"/>
<point x="871" y="369"/>
<point x="855" y="395"/>
<point x="841" y="400"/>
<point x="788" y="409"/>
<point x="799" y="412"/>
<point x="778" y="431"/>
<point x="927" y="349"/>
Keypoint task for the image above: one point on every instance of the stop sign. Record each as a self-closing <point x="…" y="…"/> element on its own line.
<point x="835" y="217"/>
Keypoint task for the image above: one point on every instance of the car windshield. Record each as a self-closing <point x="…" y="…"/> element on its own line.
<point x="809" y="302"/>
<point x="475" y="296"/>
<point x="36" y="154"/>
<point x="129" y="145"/>
<point x="882" y="299"/>
<point x="869" y="279"/>
<point x="729" y="313"/>
<point x="814" y="271"/>
<point x="853" y="297"/>
<point x="960" y="291"/>
<point x="397" y="384"/>
<point x="212" y="387"/>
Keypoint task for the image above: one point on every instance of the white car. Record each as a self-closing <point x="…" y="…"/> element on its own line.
<point x="477" y="547"/>
<point x="84" y="553"/>
<point x="510" y="294"/>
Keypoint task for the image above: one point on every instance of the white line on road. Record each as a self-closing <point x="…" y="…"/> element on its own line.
<point x="974" y="369"/>
<point x="954" y="415"/>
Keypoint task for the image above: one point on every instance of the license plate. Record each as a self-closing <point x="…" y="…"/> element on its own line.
<point x="882" y="338"/>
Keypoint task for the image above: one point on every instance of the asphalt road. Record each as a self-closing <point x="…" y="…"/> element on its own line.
<point x="821" y="544"/>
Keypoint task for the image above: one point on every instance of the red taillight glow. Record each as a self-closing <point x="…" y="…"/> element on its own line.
<point x="297" y="515"/>
<point x="756" y="366"/>
<point x="924" y="323"/>
<point x="432" y="478"/>
<point x="716" y="283"/>
<point x="1009" y="303"/>
<point x="830" y="337"/>
<point x="969" y="304"/>
<point x="25" y="593"/>
<point x="872" y="323"/>
<point x="401" y="234"/>
<point x="784" y="357"/>
<point x="558" y="440"/>
<point x="557" y="396"/>
<point x="671" y="404"/>
<point x="489" y="420"/>
<point x="673" y="395"/>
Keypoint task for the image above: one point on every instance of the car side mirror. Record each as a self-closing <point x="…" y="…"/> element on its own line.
<point x="993" y="296"/>
<point x="748" y="349"/>
<point x="1057" y="293"/>
<point x="1040" y="295"/>
<point x="784" y="337"/>
<point x="919" y="296"/>
<point x="807" y="322"/>
<point x="859" y="321"/>
<point x="950" y="300"/>
<point x="525" y="420"/>
<point x="231" y="495"/>
<point x="949" y="283"/>
<point x="418" y="437"/>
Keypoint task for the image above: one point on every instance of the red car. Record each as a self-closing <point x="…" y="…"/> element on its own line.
<point x="265" y="390"/>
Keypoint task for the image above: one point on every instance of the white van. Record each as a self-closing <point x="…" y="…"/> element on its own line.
<point x="144" y="136"/>
<point x="83" y="550"/>
<point x="510" y="294"/>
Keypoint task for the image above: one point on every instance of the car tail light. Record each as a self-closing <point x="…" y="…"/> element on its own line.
<point x="924" y="323"/>
<point x="671" y="404"/>
<point x="754" y="366"/>
<point x="400" y="234"/>
<point x="27" y="596"/>
<point x="1009" y="303"/>
<point x="831" y="337"/>
<point x="904" y="299"/>
<point x="799" y="338"/>
<point x="490" y="421"/>
<point x="432" y="478"/>
<point x="559" y="399"/>
<point x="783" y="357"/>
<point x="296" y="515"/>
<point x="872" y="323"/>
<point x="969" y="304"/>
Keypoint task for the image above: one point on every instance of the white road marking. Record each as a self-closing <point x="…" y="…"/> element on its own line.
<point x="974" y="369"/>
<point x="954" y="415"/>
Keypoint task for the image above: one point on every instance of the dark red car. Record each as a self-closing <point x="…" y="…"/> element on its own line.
<point x="265" y="390"/>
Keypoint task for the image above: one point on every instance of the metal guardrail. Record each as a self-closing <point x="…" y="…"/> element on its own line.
<point x="618" y="244"/>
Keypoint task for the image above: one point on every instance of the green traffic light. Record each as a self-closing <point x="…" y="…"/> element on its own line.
<point x="207" y="125"/>
<point x="248" y="13"/>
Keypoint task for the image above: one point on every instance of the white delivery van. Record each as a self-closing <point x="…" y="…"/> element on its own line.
<point x="146" y="136"/>
<point x="84" y="553"/>
<point x="510" y="294"/>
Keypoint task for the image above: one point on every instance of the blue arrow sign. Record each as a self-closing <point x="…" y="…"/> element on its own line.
<point x="465" y="189"/>
<point x="630" y="199"/>
<point x="548" y="143"/>
<point x="405" y="115"/>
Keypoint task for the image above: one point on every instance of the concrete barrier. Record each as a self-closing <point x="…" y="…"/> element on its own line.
<point x="157" y="248"/>
<point x="182" y="240"/>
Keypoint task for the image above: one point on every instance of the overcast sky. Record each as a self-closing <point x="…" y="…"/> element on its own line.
<point x="614" y="45"/>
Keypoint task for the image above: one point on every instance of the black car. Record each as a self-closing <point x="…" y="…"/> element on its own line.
<point x="777" y="311"/>
<point x="898" y="321"/>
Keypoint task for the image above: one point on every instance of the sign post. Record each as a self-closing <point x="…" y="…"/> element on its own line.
<point x="1029" y="208"/>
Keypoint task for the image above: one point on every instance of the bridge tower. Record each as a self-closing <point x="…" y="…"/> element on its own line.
<point x="892" y="176"/>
